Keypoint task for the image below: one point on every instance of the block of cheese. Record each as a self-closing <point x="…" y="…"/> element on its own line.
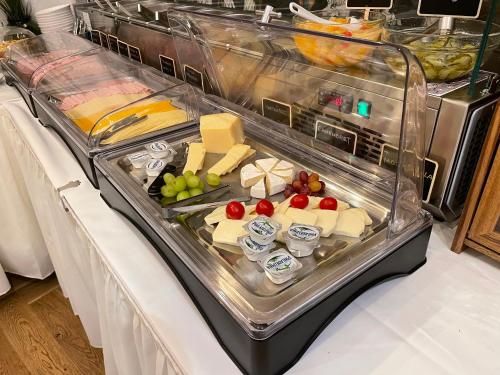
<point x="286" y="174"/>
<point x="228" y="231"/>
<point x="327" y="220"/>
<point x="285" y="222"/>
<point x="231" y="160"/>
<point x="368" y="219"/>
<point x="274" y="184"/>
<point x="350" y="223"/>
<point x="259" y="189"/>
<point x="266" y="164"/>
<point x="299" y="216"/>
<point x="250" y="175"/>
<point x="313" y="203"/>
<point x="195" y="158"/>
<point x="220" y="132"/>
<point x="283" y="165"/>
<point x="216" y="215"/>
<point x="283" y="206"/>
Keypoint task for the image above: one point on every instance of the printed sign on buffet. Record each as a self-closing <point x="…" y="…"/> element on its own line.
<point x="167" y="65"/>
<point x="453" y="8"/>
<point x="123" y="49"/>
<point x="336" y="136"/>
<point x="389" y="160"/>
<point x="194" y="77"/>
<point x="113" y="43"/>
<point x="135" y="53"/>
<point x="369" y="4"/>
<point x="277" y="111"/>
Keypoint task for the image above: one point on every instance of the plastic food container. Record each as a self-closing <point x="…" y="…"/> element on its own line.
<point x="263" y="230"/>
<point x="280" y="266"/>
<point x="252" y="249"/>
<point x="301" y="239"/>
<point x="138" y="159"/>
<point x="161" y="150"/>
<point x="154" y="167"/>
<point x="339" y="53"/>
<point x="443" y="57"/>
<point x="11" y="35"/>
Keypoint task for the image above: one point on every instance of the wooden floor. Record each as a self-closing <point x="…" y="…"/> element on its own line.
<point x="40" y="335"/>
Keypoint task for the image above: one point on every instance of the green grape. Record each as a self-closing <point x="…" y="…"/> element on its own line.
<point x="201" y="185"/>
<point x="183" y="195"/>
<point x="196" y="191"/>
<point x="192" y="181"/>
<point x="168" y="191"/>
<point x="213" y="179"/>
<point x="180" y="184"/>
<point x="165" y="201"/>
<point x="188" y="174"/>
<point x="169" y="178"/>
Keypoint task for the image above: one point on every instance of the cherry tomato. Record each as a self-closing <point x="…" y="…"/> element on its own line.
<point x="264" y="207"/>
<point x="328" y="203"/>
<point x="235" y="210"/>
<point x="299" y="201"/>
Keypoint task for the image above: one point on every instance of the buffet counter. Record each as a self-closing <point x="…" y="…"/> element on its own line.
<point x="442" y="319"/>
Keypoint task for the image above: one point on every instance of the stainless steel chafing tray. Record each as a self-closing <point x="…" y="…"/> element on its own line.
<point x="265" y="327"/>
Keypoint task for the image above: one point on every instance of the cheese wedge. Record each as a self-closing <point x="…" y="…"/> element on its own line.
<point x="228" y="231"/>
<point x="230" y="161"/>
<point x="216" y="215"/>
<point x="195" y="158"/>
<point x="350" y="223"/>
<point x="313" y="203"/>
<point x="283" y="206"/>
<point x="285" y="222"/>
<point x="299" y="216"/>
<point x="250" y="175"/>
<point x="283" y="165"/>
<point x="266" y="164"/>
<point x="368" y="219"/>
<point x="274" y="184"/>
<point x="258" y="190"/>
<point x="220" y="132"/>
<point x="327" y="220"/>
<point x="286" y="174"/>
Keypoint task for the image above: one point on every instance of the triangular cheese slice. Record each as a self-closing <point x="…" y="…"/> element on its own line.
<point x="286" y="174"/>
<point x="259" y="189"/>
<point x="250" y="175"/>
<point x="274" y="184"/>
<point x="266" y="164"/>
<point x="283" y="165"/>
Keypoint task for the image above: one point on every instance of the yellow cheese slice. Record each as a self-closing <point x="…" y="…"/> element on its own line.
<point x="216" y="215"/>
<point x="313" y="202"/>
<point x="228" y="231"/>
<point x="230" y="161"/>
<point x="283" y="206"/>
<point x="350" y="223"/>
<point x="368" y="219"/>
<point x="341" y="205"/>
<point x="285" y="222"/>
<point x="327" y="220"/>
<point x="195" y="158"/>
<point x="300" y="216"/>
<point x="220" y="132"/>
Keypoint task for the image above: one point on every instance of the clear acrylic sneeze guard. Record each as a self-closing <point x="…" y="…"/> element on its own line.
<point x="266" y="327"/>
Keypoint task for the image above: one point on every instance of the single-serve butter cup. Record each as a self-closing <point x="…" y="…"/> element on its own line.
<point x="161" y="150"/>
<point x="154" y="167"/>
<point x="252" y="249"/>
<point x="138" y="159"/>
<point x="301" y="239"/>
<point x="280" y="266"/>
<point x="262" y="229"/>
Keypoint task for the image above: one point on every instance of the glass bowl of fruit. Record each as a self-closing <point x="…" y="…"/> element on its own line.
<point x="443" y="57"/>
<point x="338" y="53"/>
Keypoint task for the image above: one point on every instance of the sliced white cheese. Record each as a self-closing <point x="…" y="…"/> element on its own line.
<point x="327" y="220"/>
<point x="274" y="184"/>
<point x="285" y="222"/>
<point x="350" y="223"/>
<point x="216" y="215"/>
<point x="230" y="161"/>
<point x="249" y="154"/>
<point x="228" y="231"/>
<point x="283" y="206"/>
<point x="250" y="175"/>
<point x="258" y="190"/>
<point x="286" y="174"/>
<point x="266" y="164"/>
<point x="300" y="216"/>
<point x="313" y="202"/>
<point x="341" y="205"/>
<point x="282" y="165"/>
<point x="368" y="219"/>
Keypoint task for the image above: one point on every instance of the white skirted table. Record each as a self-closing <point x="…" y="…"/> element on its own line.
<point x="442" y="319"/>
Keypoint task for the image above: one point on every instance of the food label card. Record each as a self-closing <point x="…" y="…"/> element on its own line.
<point x="194" y="77"/>
<point x="454" y="8"/>
<point x="123" y="49"/>
<point x="336" y="136"/>
<point x="277" y="111"/>
<point x="135" y="53"/>
<point x="113" y="43"/>
<point x="167" y="66"/>
<point x="369" y="4"/>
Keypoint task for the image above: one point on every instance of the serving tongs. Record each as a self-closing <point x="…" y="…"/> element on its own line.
<point x="171" y="212"/>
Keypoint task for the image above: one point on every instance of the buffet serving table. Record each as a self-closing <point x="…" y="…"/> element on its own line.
<point x="442" y="319"/>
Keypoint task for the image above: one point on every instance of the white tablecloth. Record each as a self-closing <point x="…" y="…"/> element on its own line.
<point x="443" y="319"/>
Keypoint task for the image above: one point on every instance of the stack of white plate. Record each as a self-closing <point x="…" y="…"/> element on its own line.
<point x="59" y="18"/>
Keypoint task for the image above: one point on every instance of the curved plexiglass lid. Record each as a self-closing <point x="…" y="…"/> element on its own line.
<point x="31" y="59"/>
<point x="10" y="35"/>
<point x="100" y="94"/>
